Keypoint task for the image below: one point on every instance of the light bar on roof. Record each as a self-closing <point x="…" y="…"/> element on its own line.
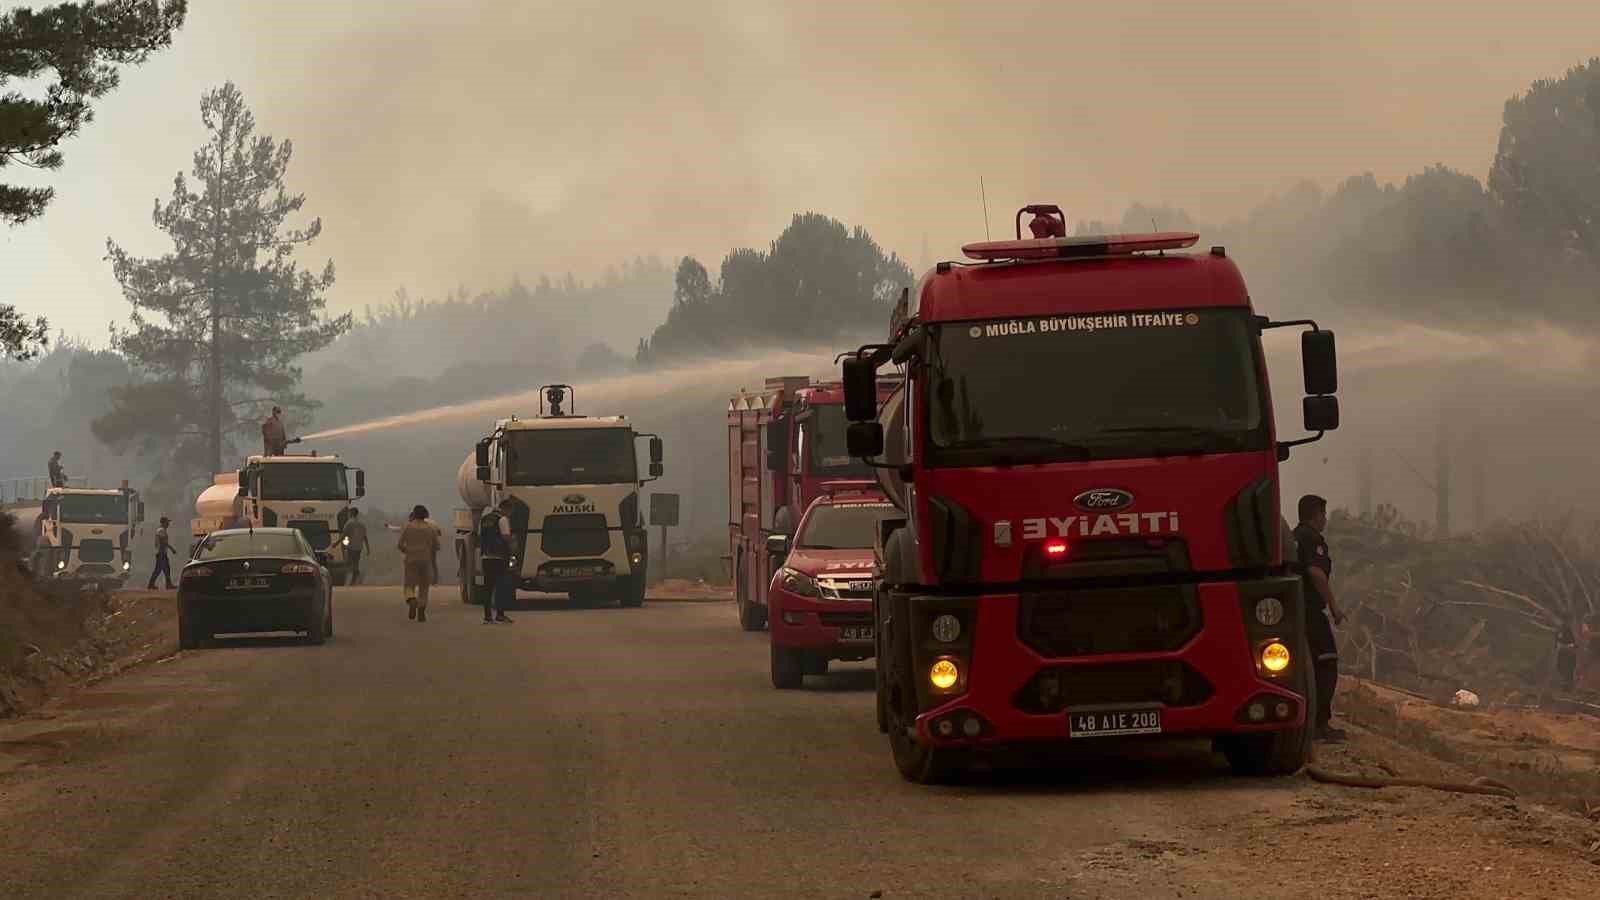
<point x="1080" y="247"/>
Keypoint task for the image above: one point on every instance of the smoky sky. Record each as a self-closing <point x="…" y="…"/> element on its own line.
<point x="461" y="143"/>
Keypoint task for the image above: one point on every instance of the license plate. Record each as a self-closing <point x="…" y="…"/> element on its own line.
<point x="1113" y="722"/>
<point x="574" y="571"/>
<point x="855" y="632"/>
<point x="247" y="584"/>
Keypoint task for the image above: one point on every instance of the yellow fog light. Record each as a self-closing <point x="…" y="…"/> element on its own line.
<point x="1275" y="657"/>
<point x="944" y="674"/>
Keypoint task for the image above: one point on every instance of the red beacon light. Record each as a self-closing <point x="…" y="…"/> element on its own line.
<point x="1050" y="240"/>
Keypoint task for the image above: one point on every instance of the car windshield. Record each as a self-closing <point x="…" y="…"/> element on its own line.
<point x="303" y="481"/>
<point x="1106" y="386"/>
<point x="245" y="544"/>
<point x="570" y="456"/>
<point x="822" y="432"/>
<point x="100" y="509"/>
<point x="841" y="526"/>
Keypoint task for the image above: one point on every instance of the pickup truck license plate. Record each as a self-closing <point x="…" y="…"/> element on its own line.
<point x="573" y="571"/>
<point x="855" y="632"/>
<point x="247" y="584"/>
<point x="1113" y="722"/>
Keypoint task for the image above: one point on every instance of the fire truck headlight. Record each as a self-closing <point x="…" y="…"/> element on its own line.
<point x="1275" y="657"/>
<point x="636" y="558"/>
<point x="946" y="628"/>
<point x="61" y="564"/>
<point x="1269" y="611"/>
<point x="944" y="674"/>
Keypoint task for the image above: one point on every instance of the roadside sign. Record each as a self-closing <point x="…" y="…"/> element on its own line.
<point x="664" y="510"/>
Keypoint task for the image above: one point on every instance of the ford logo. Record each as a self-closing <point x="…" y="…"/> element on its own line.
<point x="308" y="510"/>
<point x="574" y="499"/>
<point x="1103" y="500"/>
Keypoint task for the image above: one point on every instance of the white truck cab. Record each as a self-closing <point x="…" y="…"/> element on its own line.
<point x="576" y="521"/>
<point x="85" y="535"/>
<point x="306" y="492"/>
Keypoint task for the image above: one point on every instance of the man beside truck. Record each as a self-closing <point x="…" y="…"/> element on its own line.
<point x="1316" y="568"/>
<point x="494" y="542"/>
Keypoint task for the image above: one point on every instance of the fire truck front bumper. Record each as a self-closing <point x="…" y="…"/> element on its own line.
<point x="1196" y="660"/>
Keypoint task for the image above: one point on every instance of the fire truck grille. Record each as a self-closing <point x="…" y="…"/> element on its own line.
<point x="1145" y="619"/>
<point x="575" y="535"/>
<point x="95" y="551"/>
<point x="316" y="533"/>
<point x="1168" y="682"/>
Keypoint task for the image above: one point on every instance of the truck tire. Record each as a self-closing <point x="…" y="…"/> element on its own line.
<point x="751" y="616"/>
<point x="788" y="668"/>
<point x="630" y="594"/>
<point x="877" y="660"/>
<point x="917" y="762"/>
<point x="1277" y="752"/>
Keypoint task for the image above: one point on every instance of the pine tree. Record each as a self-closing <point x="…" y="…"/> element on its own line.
<point x="218" y="322"/>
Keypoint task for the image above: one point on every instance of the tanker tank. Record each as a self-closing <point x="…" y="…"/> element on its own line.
<point x="474" y="493"/>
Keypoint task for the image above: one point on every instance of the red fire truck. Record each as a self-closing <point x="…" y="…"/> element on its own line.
<point x="784" y="442"/>
<point x="1086" y="462"/>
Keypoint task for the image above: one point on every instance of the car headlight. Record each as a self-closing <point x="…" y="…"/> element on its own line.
<point x="798" y="583"/>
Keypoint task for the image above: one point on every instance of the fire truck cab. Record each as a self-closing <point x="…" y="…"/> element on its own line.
<point x="1086" y="466"/>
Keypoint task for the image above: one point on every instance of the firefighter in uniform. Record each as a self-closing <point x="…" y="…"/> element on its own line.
<point x="58" y="475"/>
<point x="1316" y="566"/>
<point x="275" y="441"/>
<point x="163" y="567"/>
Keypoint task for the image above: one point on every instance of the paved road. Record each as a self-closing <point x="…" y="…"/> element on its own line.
<point x="593" y="753"/>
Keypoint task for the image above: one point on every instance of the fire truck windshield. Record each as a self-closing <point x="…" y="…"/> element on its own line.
<point x="570" y="456"/>
<point x="841" y="526"/>
<point x="303" y="481"/>
<point x="1097" y="386"/>
<point x="822" y="433"/>
<point x="98" y="509"/>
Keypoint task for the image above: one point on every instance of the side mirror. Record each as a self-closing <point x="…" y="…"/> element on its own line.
<point x="860" y="389"/>
<point x="481" y="458"/>
<point x="655" y="450"/>
<point x="361" y="483"/>
<point x="1321" y="413"/>
<point x="864" y="439"/>
<point x="241" y="474"/>
<point x="778" y="544"/>
<point x="777" y="444"/>
<point x="1320" y="362"/>
<point x="141" y="511"/>
<point x="656" y="469"/>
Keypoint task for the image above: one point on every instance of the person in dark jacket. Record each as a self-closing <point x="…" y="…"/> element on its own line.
<point x="58" y="475"/>
<point x="1316" y="567"/>
<point x="499" y="572"/>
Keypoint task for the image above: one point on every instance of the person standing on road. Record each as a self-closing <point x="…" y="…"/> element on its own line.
<point x="494" y="542"/>
<point x="274" y="440"/>
<point x="1316" y="567"/>
<point x="355" y="535"/>
<point x="163" y="556"/>
<point x="419" y="544"/>
<point x="58" y="475"/>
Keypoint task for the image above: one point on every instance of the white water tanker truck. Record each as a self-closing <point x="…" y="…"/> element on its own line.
<point x="83" y="535"/>
<point x="574" y="483"/>
<point x="309" y="493"/>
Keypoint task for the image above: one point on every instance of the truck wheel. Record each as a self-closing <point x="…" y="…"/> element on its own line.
<point x="788" y="668"/>
<point x="751" y="616"/>
<point x="878" y="664"/>
<point x="631" y="595"/>
<point x="1277" y="752"/>
<point x="917" y="762"/>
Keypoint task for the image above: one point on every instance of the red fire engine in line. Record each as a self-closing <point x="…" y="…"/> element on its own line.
<point x="1087" y="464"/>
<point x="784" y="442"/>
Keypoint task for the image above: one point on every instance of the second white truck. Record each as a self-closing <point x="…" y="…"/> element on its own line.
<point x="576" y="519"/>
